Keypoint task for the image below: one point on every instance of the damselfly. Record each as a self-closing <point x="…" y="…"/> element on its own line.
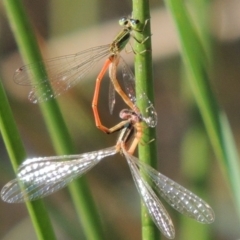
<point x="39" y="177"/>
<point x="64" y="72"/>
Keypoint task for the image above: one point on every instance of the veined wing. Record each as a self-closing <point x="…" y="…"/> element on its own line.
<point x="39" y="177"/>
<point x="176" y="195"/>
<point x="111" y="97"/>
<point x="58" y="74"/>
<point x="149" y="115"/>
<point x="155" y="208"/>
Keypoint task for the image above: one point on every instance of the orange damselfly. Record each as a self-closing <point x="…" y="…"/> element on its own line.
<point x="64" y="72"/>
<point x="39" y="177"/>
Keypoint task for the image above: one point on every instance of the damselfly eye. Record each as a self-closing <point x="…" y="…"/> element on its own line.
<point x="123" y="21"/>
<point x="134" y="22"/>
<point x="126" y="114"/>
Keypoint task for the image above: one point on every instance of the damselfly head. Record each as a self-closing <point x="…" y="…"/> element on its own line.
<point x="130" y="23"/>
<point x="128" y="114"/>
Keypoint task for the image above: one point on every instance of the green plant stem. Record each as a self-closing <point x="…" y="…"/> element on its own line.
<point x="80" y="193"/>
<point x="144" y="82"/>
<point x="216" y="123"/>
<point x="17" y="154"/>
<point x="196" y="175"/>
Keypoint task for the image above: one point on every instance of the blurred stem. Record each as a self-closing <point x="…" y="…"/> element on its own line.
<point x="16" y="152"/>
<point x="196" y="174"/>
<point x="144" y="82"/>
<point x="216" y="123"/>
<point x="28" y="46"/>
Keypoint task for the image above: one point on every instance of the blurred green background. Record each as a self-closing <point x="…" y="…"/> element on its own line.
<point x="184" y="151"/>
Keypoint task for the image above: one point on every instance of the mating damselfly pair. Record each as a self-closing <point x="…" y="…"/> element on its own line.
<point x="39" y="177"/>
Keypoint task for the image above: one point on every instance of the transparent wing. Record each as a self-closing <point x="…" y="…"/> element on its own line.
<point x="150" y="114"/>
<point x="177" y="196"/>
<point x="155" y="208"/>
<point x="39" y="177"/>
<point x="111" y="97"/>
<point x="58" y="74"/>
